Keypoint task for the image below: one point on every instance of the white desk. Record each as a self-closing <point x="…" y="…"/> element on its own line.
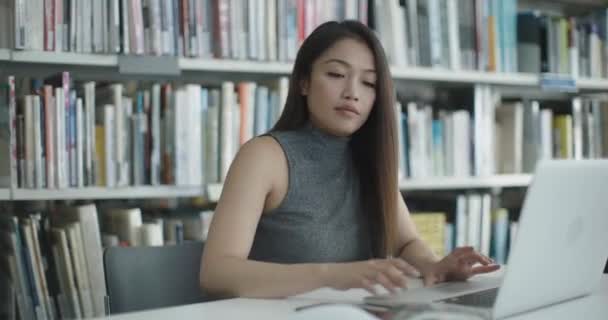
<point x="588" y="308"/>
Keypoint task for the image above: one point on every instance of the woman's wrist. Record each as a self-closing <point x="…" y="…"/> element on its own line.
<point x="419" y="255"/>
<point x="427" y="265"/>
<point x="322" y="272"/>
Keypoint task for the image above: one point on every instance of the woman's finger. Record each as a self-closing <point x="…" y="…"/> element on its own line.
<point x="483" y="259"/>
<point x="405" y="267"/>
<point x="463" y="250"/>
<point x="397" y="277"/>
<point x="368" y="286"/>
<point x="474" y="257"/>
<point x="487" y="259"/>
<point x="441" y="277"/>
<point x="429" y="280"/>
<point x="485" y="269"/>
<point x="385" y="282"/>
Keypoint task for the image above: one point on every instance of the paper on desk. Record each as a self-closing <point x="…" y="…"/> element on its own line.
<point x="347" y="296"/>
<point x="332" y="295"/>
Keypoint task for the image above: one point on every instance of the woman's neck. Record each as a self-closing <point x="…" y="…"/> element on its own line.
<point x="325" y="142"/>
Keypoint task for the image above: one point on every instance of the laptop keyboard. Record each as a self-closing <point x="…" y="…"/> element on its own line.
<point x="484" y="298"/>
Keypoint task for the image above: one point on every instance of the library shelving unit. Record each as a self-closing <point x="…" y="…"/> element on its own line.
<point x="102" y="65"/>
<point x="95" y="193"/>
<point x="60" y="60"/>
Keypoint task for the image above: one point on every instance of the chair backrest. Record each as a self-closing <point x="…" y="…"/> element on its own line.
<point x="140" y="278"/>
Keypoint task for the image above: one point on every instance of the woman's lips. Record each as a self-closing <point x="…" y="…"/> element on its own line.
<point x="348" y="109"/>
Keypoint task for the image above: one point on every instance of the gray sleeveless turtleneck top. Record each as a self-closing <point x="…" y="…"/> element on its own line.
<point x="321" y="217"/>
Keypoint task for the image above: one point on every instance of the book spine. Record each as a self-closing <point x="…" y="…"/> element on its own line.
<point x="12" y="105"/>
<point x="49" y="25"/>
<point x="125" y="30"/>
<point x="72" y="153"/>
<point x="80" y="137"/>
<point x="49" y="112"/>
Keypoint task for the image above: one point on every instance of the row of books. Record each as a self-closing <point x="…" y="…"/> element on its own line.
<point x="488" y="35"/>
<point x="511" y="140"/>
<point x="528" y="131"/>
<point x="563" y="44"/>
<point x="237" y="29"/>
<point x="469" y="220"/>
<point x="54" y="259"/>
<point x="457" y="34"/>
<point x="155" y="134"/>
<point x="60" y="133"/>
<point x="129" y="227"/>
<point x="491" y="35"/>
<point x="55" y="263"/>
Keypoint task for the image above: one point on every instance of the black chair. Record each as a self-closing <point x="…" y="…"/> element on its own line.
<point x="140" y="278"/>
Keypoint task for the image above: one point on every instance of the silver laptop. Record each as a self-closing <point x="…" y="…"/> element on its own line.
<point x="559" y="252"/>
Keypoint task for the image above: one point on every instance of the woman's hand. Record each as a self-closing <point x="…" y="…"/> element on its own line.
<point x="458" y="266"/>
<point x="389" y="273"/>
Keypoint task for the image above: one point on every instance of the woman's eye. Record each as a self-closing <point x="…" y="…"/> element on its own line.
<point x="335" y="75"/>
<point x="369" y="84"/>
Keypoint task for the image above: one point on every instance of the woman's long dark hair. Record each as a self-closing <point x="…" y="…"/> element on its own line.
<point x="374" y="145"/>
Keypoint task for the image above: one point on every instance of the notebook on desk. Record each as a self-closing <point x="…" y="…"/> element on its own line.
<point x="559" y="252"/>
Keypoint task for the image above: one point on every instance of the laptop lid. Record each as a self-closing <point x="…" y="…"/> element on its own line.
<point x="560" y="247"/>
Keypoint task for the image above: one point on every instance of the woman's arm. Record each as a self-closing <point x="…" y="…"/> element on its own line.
<point x="458" y="265"/>
<point x="259" y="169"/>
<point x="411" y="247"/>
<point x="225" y="269"/>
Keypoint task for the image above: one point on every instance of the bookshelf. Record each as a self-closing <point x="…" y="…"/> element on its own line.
<point x="175" y="64"/>
<point x="93" y="193"/>
<point x="5" y="194"/>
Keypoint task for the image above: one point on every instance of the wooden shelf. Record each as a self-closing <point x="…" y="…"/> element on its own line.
<point x="497" y="181"/>
<point x="107" y="193"/>
<point x="65" y="58"/>
<point x="214" y="191"/>
<point x="464" y="76"/>
<point x="5" y="194"/>
<point x="592" y="84"/>
<point x="5" y="54"/>
<point x="284" y="68"/>
<point x="235" y="66"/>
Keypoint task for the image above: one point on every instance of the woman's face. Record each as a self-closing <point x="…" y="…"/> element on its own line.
<point x="341" y="89"/>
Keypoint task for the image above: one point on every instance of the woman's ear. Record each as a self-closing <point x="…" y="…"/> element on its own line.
<point x="304" y="85"/>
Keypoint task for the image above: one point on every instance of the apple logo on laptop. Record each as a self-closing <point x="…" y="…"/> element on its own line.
<point x="575" y="229"/>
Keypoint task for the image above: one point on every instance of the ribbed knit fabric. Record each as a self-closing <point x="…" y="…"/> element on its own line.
<point x="320" y="218"/>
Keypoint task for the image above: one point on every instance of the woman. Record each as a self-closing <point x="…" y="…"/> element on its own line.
<point x="315" y="203"/>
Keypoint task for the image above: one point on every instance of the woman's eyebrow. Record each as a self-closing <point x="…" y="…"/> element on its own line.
<point x="346" y="64"/>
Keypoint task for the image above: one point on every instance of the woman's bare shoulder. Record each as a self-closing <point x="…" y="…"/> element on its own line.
<point x="262" y="150"/>
<point x="262" y="154"/>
